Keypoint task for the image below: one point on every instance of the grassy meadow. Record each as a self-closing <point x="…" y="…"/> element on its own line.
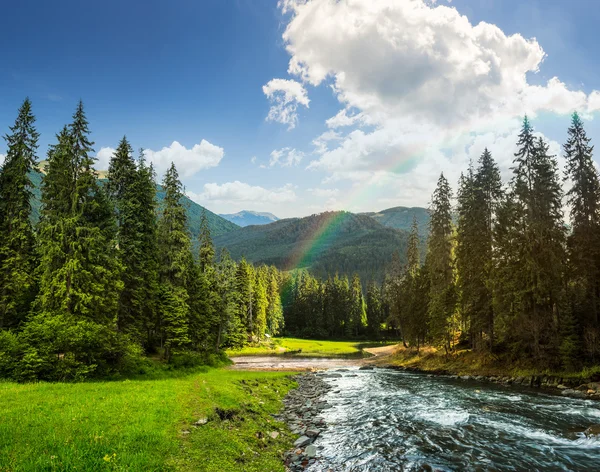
<point x="307" y="348"/>
<point x="146" y="424"/>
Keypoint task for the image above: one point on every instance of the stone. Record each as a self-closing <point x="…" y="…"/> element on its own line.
<point x="312" y="432"/>
<point x="311" y="451"/>
<point x="569" y="392"/>
<point x="274" y="434"/>
<point x="302" y="441"/>
<point x="593" y="430"/>
<point x="201" y="422"/>
<point x="366" y="367"/>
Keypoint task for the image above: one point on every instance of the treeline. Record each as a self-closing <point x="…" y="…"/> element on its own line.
<point x="511" y="276"/>
<point x="107" y="276"/>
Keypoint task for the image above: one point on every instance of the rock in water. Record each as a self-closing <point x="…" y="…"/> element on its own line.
<point x="593" y="430"/>
<point x="311" y="451"/>
<point x="302" y="441"/>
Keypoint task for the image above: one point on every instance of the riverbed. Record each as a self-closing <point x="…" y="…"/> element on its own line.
<point x="386" y="420"/>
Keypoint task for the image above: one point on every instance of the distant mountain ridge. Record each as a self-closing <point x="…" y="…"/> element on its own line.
<point x="248" y="217"/>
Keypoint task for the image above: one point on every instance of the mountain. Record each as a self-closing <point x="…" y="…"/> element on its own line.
<point x="218" y="225"/>
<point x="402" y="217"/>
<point x="247" y="218"/>
<point x="325" y="243"/>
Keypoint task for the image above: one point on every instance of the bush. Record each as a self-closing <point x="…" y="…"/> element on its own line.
<point x="58" y="348"/>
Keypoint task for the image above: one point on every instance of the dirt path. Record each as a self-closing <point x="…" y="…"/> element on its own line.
<point x="297" y="363"/>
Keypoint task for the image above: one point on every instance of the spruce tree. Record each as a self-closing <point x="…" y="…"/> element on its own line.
<point x="174" y="248"/>
<point x="357" y="308"/>
<point x="374" y="310"/>
<point x="275" y="320"/>
<point x="441" y="266"/>
<point x="229" y="329"/>
<point x="479" y="193"/>
<point x="584" y="241"/>
<point x="17" y="241"/>
<point x="536" y="231"/>
<point x="122" y="179"/>
<point x="78" y="274"/>
<point x="148" y="263"/>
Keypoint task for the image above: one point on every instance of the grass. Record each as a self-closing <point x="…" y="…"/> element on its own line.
<point x="467" y="362"/>
<point x="307" y="348"/>
<point x="144" y="424"/>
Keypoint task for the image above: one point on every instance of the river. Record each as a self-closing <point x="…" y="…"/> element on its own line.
<point x="385" y="420"/>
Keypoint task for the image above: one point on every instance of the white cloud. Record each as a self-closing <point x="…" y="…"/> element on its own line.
<point x="240" y="192"/>
<point x="285" y="157"/>
<point x="285" y="96"/>
<point x="103" y="157"/>
<point x="321" y="142"/>
<point x="188" y="161"/>
<point x="432" y="88"/>
<point x="253" y="159"/>
<point x="393" y="58"/>
<point x="2" y="157"/>
<point x="324" y="192"/>
<point x="594" y="101"/>
<point x="343" y="119"/>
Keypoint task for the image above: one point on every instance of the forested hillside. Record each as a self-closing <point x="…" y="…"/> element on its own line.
<point x="328" y="243"/>
<point x="217" y="224"/>
<point x="402" y="218"/>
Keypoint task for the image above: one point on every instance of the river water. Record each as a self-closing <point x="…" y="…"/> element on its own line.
<point x="385" y="420"/>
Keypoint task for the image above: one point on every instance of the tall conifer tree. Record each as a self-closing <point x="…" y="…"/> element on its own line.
<point x="584" y="241"/>
<point x="17" y="241"/>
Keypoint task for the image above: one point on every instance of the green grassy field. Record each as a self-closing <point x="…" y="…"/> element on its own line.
<point x="307" y="347"/>
<point x="146" y="424"/>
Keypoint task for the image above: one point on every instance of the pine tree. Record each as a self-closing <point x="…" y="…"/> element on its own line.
<point x="357" y="308"/>
<point x="413" y="257"/>
<point x="441" y="266"/>
<point x="229" y="328"/>
<point x="207" y="249"/>
<point x="17" y="241"/>
<point x="275" y="320"/>
<point x="479" y="193"/>
<point x="175" y="260"/>
<point x="148" y="262"/>
<point x="538" y="246"/>
<point x="78" y="274"/>
<point x="261" y="302"/>
<point x="374" y="310"/>
<point x="245" y="294"/>
<point x="121" y="186"/>
<point x="584" y="241"/>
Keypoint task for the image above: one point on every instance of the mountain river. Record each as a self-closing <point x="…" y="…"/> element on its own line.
<point x="386" y="420"/>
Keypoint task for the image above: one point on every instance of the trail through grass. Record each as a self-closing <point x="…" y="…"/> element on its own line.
<point x="145" y="424"/>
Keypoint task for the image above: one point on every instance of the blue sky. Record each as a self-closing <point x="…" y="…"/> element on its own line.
<point x="193" y="72"/>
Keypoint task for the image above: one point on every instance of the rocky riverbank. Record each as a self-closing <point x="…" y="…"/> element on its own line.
<point x="302" y="408"/>
<point x="565" y="386"/>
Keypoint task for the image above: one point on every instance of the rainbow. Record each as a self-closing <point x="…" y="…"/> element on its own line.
<point x="322" y="234"/>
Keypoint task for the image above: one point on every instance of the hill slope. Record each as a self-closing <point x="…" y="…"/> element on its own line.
<point x="247" y="218"/>
<point x="326" y="243"/>
<point x="217" y="224"/>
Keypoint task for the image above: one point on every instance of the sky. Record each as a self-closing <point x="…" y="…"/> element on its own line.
<point x="300" y="106"/>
